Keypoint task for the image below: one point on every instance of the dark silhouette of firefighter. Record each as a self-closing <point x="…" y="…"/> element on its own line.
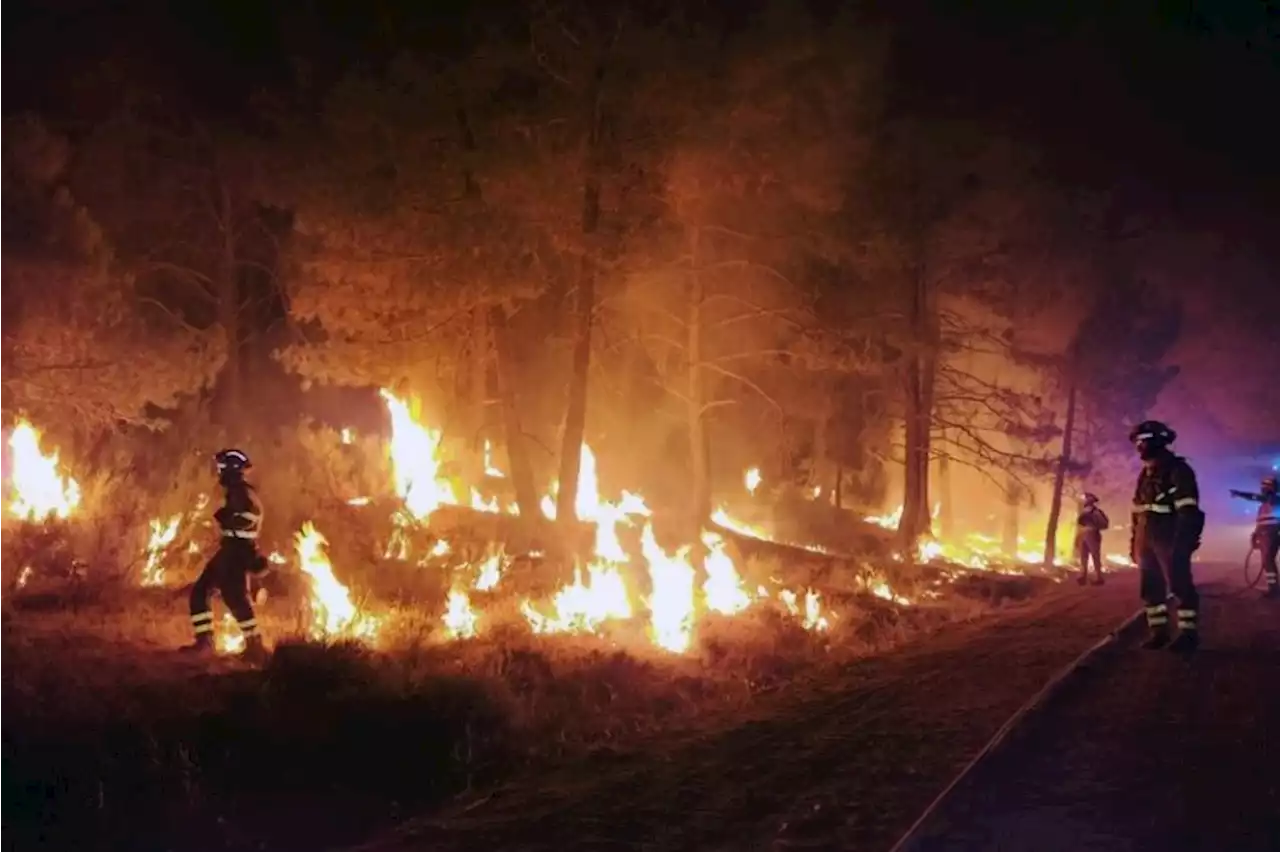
<point x="1166" y="530"/>
<point x="1266" y="530"/>
<point x="1090" y="524"/>
<point x="235" y="562"/>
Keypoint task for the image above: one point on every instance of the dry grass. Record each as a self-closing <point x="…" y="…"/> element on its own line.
<point x="114" y="741"/>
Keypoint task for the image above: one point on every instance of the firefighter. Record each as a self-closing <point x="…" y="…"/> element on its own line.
<point x="235" y="562"/>
<point x="1166" y="529"/>
<point x="1266" y="530"/>
<point x="1089" y="527"/>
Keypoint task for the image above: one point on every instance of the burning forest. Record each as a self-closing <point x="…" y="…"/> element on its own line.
<point x="592" y="376"/>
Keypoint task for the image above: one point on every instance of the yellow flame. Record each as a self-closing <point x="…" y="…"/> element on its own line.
<point x="984" y="552"/>
<point x="39" y="490"/>
<point x="671" y="604"/>
<point x="416" y="462"/>
<point x="751" y="479"/>
<point x="333" y="614"/>
<point x="598" y="592"/>
<point x="162" y="535"/>
<point x="460" y="621"/>
<point x="230" y="639"/>
<point x="490" y="469"/>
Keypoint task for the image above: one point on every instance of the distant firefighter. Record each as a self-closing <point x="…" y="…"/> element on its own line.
<point x="1266" y="530"/>
<point x="1166" y="530"/>
<point x="1090" y="524"/>
<point x="236" y="560"/>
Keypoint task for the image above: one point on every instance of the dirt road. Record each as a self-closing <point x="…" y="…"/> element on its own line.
<point x="1141" y="751"/>
<point x="850" y="769"/>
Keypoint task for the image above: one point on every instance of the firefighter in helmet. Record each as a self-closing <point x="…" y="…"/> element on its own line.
<point x="236" y="560"/>
<point x="1090" y="524"/>
<point x="1266" y="529"/>
<point x="1166" y="529"/>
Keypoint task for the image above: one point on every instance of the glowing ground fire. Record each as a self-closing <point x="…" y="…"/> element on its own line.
<point x="600" y="592"/>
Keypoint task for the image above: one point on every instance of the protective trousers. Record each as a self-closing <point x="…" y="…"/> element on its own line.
<point x="1156" y="562"/>
<point x="1268" y="538"/>
<point x="1089" y="547"/>
<point x="228" y="573"/>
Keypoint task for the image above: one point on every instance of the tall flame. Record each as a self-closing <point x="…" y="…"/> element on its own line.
<point x="415" y="458"/>
<point x="333" y="614"/>
<point x="162" y="535"/>
<point x="39" y="490"/>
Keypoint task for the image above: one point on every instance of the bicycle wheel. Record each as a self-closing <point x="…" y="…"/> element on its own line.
<point x="1252" y="567"/>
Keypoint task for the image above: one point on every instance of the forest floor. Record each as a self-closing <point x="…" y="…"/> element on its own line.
<point x="113" y="743"/>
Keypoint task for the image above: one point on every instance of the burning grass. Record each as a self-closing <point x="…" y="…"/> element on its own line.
<point x="430" y="649"/>
<point x="109" y="734"/>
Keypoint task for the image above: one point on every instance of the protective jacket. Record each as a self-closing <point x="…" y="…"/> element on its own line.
<point x="1091" y="522"/>
<point x="240" y="518"/>
<point x="1166" y="507"/>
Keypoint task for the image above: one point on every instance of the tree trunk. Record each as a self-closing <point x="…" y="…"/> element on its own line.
<point x="915" y="519"/>
<point x="946" y="519"/>
<point x="519" y="468"/>
<point x="233" y="420"/>
<point x="819" y="467"/>
<point x="477" y="392"/>
<point x="575" y="418"/>
<point x="1059" y="478"/>
<point x="700" y="491"/>
<point x="837" y="499"/>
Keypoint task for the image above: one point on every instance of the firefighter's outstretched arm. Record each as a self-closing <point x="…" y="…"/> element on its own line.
<point x="1185" y="492"/>
<point x="1248" y="495"/>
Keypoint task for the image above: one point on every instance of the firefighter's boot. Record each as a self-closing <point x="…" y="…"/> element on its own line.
<point x="203" y="645"/>
<point x="254" y="652"/>
<point x="1098" y="580"/>
<point x="1187" y="642"/>
<point x="1157" y="638"/>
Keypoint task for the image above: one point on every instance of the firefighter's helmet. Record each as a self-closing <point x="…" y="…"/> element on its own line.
<point x="1153" y="432"/>
<point x="1090" y="499"/>
<point x="1270" y="483"/>
<point x="231" y="460"/>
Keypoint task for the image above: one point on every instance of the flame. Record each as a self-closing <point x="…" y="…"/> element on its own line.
<point x="460" y="621"/>
<point x="598" y="592"/>
<point x="333" y="615"/>
<point x="983" y="552"/>
<point x="230" y="639"/>
<point x="162" y="535"/>
<point x="723" y="589"/>
<point x="39" y="491"/>
<point x="585" y="606"/>
<point x="348" y="435"/>
<point x="671" y="605"/>
<point x="415" y="459"/>
<point x="751" y="479"/>
<point x="489" y="468"/>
